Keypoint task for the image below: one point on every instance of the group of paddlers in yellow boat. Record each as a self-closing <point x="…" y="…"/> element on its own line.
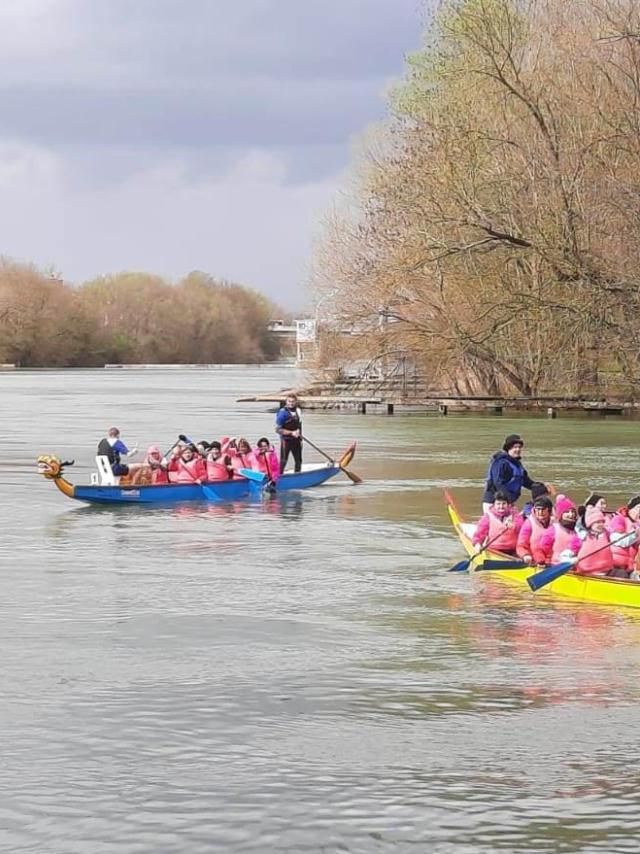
<point x="551" y="528"/>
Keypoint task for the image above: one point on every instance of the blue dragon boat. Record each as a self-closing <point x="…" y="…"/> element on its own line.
<point x="252" y="485"/>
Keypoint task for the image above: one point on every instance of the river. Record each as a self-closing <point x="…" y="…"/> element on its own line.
<point x="299" y="675"/>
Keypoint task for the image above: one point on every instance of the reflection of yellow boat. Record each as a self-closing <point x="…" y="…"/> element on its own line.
<point x="605" y="591"/>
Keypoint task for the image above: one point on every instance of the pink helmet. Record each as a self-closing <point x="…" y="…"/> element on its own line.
<point x="592" y="516"/>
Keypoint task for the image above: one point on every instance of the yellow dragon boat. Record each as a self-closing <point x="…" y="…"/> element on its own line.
<point x="603" y="591"/>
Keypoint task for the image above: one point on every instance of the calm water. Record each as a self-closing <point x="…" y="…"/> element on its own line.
<point x="301" y="675"/>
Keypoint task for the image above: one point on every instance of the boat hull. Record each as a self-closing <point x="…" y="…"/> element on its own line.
<point x="602" y="591"/>
<point x="180" y="493"/>
<point x="172" y="493"/>
<point x="307" y="478"/>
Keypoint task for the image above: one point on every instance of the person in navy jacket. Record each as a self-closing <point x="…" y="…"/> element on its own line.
<point x="289" y="428"/>
<point x="506" y="473"/>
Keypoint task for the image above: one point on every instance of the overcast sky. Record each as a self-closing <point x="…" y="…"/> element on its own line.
<point x="173" y="135"/>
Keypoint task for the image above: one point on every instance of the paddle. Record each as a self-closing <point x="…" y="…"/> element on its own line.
<point x="271" y="484"/>
<point x="504" y="564"/>
<point x="181" y="438"/>
<point x="354" y="478"/>
<point x="550" y="573"/>
<point x="250" y="474"/>
<point x="463" y="565"/>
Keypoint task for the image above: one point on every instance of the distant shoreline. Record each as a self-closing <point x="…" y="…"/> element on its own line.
<point x="154" y="367"/>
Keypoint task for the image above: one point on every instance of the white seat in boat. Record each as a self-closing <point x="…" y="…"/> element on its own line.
<point x="105" y="476"/>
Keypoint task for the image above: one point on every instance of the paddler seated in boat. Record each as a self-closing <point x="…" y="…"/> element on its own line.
<point x="529" y="547"/>
<point x="595" y="556"/>
<point x="506" y="473"/>
<point x="187" y="466"/>
<point x="560" y="541"/>
<point x="593" y="500"/>
<point x="499" y="526"/>
<point x="203" y="448"/>
<point x="218" y="464"/>
<point x="113" y="448"/>
<point x="538" y="490"/>
<point x="241" y="455"/>
<point x="624" y="529"/>
<point x="265" y="460"/>
<point x="157" y="466"/>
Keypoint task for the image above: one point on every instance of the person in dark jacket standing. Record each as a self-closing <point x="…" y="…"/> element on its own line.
<point x="289" y="428"/>
<point x="506" y="473"/>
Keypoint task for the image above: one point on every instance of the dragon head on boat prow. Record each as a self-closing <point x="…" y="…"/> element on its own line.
<point x="51" y="467"/>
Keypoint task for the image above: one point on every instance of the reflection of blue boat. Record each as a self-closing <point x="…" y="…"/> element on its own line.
<point x="177" y="493"/>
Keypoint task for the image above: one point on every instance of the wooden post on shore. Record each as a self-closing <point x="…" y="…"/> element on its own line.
<point x="389" y="408"/>
<point x="363" y="408"/>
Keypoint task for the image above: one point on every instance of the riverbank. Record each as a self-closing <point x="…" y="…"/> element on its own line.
<point x="281" y="364"/>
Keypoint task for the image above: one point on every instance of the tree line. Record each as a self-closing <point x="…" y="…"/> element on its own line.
<point x="129" y="318"/>
<point x="492" y="231"/>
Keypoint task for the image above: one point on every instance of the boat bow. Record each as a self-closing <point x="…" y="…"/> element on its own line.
<point x="51" y="468"/>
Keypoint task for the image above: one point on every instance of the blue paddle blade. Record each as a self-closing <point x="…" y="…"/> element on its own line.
<point x="549" y="574"/>
<point x="461" y="566"/>
<point x="504" y="564"/>
<point x="250" y="474"/>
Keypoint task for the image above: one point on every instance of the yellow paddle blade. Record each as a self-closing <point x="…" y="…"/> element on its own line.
<point x="351" y="475"/>
<point x="348" y="455"/>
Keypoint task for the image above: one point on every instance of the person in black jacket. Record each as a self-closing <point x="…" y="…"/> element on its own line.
<point x="289" y="428"/>
<point x="506" y="472"/>
<point x="113" y="448"/>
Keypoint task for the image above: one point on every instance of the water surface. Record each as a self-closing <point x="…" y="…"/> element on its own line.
<point x="301" y="674"/>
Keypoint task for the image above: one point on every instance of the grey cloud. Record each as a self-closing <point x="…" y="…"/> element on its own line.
<point x="170" y="73"/>
<point x="120" y="163"/>
<point x="242" y="113"/>
<point x="282" y="38"/>
<point x="174" y="134"/>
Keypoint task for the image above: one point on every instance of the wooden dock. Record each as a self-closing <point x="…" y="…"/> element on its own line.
<point x="446" y="404"/>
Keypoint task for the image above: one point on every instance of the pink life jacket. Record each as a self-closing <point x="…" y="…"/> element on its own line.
<point x="187" y="472"/>
<point x="159" y="475"/>
<point x="623" y="556"/>
<point x="153" y="459"/>
<point x="240" y="461"/>
<point x="538" y="531"/>
<point x="564" y="540"/>
<point x="531" y="539"/>
<point x="502" y="538"/>
<point x="217" y="469"/>
<point x="267" y="463"/>
<point x="594" y="564"/>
